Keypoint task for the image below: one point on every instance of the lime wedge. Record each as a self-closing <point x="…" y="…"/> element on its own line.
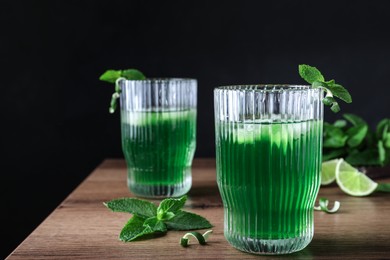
<point x="328" y="171"/>
<point x="353" y="182"/>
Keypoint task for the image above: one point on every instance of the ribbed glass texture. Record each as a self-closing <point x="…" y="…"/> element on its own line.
<point x="158" y="125"/>
<point x="268" y="146"/>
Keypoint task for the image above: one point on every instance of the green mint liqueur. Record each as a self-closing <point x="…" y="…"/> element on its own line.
<point x="159" y="147"/>
<point x="268" y="176"/>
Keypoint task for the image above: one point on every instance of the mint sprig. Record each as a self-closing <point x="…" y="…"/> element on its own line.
<point x="114" y="76"/>
<point x="352" y="139"/>
<point x="313" y="76"/>
<point x="149" y="221"/>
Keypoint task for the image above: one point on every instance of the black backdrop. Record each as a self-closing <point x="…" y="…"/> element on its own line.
<point x="55" y="123"/>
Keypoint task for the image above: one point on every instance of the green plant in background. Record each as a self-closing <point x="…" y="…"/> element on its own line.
<point x="351" y="138"/>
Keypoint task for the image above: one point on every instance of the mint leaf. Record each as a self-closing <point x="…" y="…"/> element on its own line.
<point x="367" y="157"/>
<point x="340" y="92"/>
<point x="335" y="142"/>
<point x="383" y="187"/>
<point x="155" y="225"/>
<point x="138" y="207"/>
<point x="313" y="76"/>
<point x="334" y="137"/>
<point x="129" y="74"/>
<point x="356" y="135"/>
<point x="382" y="128"/>
<point x="362" y="147"/>
<point x="386" y="141"/>
<point x="340" y="123"/>
<point x="328" y="100"/>
<point x="137" y="228"/>
<point x="133" y="228"/>
<point x="310" y="74"/>
<point x="171" y="205"/>
<point x="114" y="76"/>
<point x="333" y="154"/>
<point x="147" y="221"/>
<point x="335" y="107"/>
<point x="110" y="76"/>
<point x="381" y="152"/>
<point x="354" y="119"/>
<point x="132" y="74"/>
<point x="332" y="130"/>
<point x="187" y="221"/>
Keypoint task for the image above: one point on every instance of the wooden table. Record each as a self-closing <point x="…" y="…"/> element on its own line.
<point x="82" y="228"/>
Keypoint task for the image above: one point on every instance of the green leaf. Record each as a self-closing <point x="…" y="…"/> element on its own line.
<point x="340" y="92"/>
<point x="333" y="154"/>
<point x="335" y="141"/>
<point x="310" y="74"/>
<point x="132" y="74"/>
<point x="319" y="84"/>
<point x="133" y="228"/>
<point x="140" y="228"/>
<point x="171" y="205"/>
<point x="335" y="107"/>
<point x="381" y="152"/>
<point x="354" y="119"/>
<point x="383" y="187"/>
<point x="330" y="82"/>
<point x="328" y="101"/>
<point x="334" y="137"/>
<point x="370" y="139"/>
<point x="356" y="135"/>
<point x="187" y="221"/>
<point x="331" y="130"/>
<point x="155" y="224"/>
<point x="135" y="206"/>
<point x="387" y="141"/>
<point x="340" y="123"/>
<point x="367" y="157"/>
<point x="110" y="76"/>
<point x="382" y="129"/>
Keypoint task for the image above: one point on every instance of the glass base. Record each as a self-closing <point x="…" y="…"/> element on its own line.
<point x="160" y="190"/>
<point x="269" y="246"/>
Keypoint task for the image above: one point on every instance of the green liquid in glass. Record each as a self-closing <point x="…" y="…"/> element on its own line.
<point x="159" y="148"/>
<point x="269" y="176"/>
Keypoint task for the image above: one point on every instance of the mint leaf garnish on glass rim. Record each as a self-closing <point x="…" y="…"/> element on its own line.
<point x="115" y="76"/>
<point x="313" y="76"/>
<point x="148" y="220"/>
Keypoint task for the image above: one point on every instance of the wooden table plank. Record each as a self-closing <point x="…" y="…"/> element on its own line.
<point x="82" y="228"/>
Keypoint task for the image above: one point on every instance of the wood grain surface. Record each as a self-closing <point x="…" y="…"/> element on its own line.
<point x="82" y="228"/>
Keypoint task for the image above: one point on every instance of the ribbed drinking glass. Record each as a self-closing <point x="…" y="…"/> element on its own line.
<point x="268" y="147"/>
<point x="158" y="124"/>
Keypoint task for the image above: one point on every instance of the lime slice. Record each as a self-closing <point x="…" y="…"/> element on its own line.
<point x="328" y="171"/>
<point x="353" y="182"/>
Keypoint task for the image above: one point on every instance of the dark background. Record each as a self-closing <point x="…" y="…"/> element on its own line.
<point x="55" y="125"/>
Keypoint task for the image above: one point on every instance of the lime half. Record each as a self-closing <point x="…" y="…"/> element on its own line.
<point x="328" y="171"/>
<point x="353" y="182"/>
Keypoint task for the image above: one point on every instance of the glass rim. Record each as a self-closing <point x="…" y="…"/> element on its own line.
<point x="262" y="88"/>
<point x="158" y="80"/>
